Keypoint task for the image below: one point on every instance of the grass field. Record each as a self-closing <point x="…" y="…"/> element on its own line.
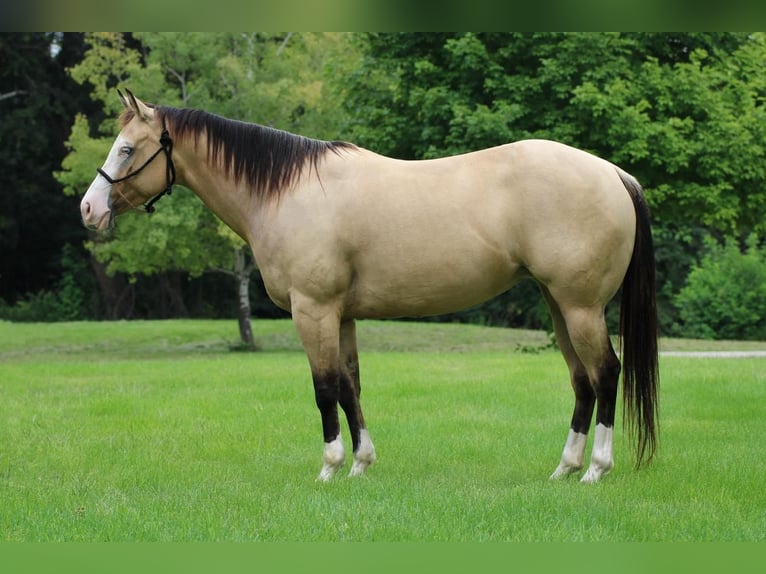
<point x="157" y="431"/>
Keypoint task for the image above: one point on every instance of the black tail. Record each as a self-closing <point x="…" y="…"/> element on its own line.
<point x="638" y="333"/>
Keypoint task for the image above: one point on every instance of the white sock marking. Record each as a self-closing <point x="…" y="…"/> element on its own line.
<point x="332" y="459"/>
<point x="364" y="455"/>
<point x="573" y="456"/>
<point x="601" y="458"/>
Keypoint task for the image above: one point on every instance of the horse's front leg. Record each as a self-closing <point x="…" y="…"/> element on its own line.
<point x="350" y="390"/>
<point x="319" y="330"/>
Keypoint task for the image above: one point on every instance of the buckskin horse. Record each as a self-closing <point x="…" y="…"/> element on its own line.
<point x="340" y="233"/>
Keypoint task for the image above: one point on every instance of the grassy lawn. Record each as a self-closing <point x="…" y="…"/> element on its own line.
<point x="157" y="431"/>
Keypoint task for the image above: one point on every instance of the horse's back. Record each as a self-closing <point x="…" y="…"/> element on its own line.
<point x="533" y="203"/>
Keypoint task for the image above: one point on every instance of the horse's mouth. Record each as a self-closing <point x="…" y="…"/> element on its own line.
<point x="104" y="223"/>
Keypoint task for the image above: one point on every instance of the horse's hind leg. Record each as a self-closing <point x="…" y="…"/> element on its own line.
<point x="350" y="390"/>
<point x="590" y="340"/>
<point x="585" y="398"/>
<point x="606" y="380"/>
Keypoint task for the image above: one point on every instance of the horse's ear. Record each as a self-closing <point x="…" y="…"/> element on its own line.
<point x="140" y="108"/>
<point x="123" y="99"/>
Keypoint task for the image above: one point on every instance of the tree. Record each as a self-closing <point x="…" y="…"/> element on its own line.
<point x="272" y="79"/>
<point x="184" y="235"/>
<point x="682" y="112"/>
<point x="692" y="130"/>
<point x="725" y="294"/>
<point x="37" y="104"/>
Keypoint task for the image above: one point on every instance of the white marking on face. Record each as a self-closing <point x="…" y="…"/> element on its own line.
<point x="94" y="206"/>
<point x="118" y="154"/>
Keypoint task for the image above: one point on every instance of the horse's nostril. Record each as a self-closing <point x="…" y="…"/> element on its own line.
<point x="85" y="208"/>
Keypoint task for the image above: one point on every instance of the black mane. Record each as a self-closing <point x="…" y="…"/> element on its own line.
<point x="267" y="159"/>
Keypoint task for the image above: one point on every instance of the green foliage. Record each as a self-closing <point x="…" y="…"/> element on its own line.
<point x="265" y="78"/>
<point x="182" y="234"/>
<point x="268" y="78"/>
<point x="86" y="153"/>
<point x="676" y="251"/>
<point x="692" y="131"/>
<point x="682" y="112"/>
<point x="725" y="295"/>
<point x="67" y="301"/>
<point x="37" y="104"/>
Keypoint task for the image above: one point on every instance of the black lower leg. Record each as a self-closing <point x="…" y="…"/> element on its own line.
<point x="326" y="392"/>
<point x="585" y="401"/>
<point x="349" y="402"/>
<point x="349" y="382"/>
<point x="606" y="390"/>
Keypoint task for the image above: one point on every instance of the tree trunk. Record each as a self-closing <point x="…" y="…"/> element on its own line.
<point x="243" y="270"/>
<point x="117" y="295"/>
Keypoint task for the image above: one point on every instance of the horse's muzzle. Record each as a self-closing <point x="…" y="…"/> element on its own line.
<point x="95" y="221"/>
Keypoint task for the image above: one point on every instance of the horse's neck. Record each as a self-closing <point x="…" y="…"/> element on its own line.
<point x="230" y="201"/>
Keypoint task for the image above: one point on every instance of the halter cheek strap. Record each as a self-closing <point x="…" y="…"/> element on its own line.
<point x="170" y="169"/>
<point x="166" y="145"/>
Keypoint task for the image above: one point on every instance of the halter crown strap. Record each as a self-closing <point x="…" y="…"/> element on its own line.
<point x="166" y="145"/>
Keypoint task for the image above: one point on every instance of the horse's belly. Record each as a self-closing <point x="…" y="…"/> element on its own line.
<point x="416" y="287"/>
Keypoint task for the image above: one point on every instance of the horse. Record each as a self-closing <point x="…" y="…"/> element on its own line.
<point x="341" y="233"/>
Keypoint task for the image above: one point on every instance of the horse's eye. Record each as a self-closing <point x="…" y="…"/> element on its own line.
<point x="126" y="150"/>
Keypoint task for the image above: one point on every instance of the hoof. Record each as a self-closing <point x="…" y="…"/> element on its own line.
<point x="332" y="459"/>
<point x="359" y="466"/>
<point x="595" y="472"/>
<point x="364" y="455"/>
<point x="327" y="472"/>
<point x="564" y="470"/>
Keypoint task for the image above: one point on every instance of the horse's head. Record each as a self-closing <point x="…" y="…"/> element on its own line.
<point x="130" y="177"/>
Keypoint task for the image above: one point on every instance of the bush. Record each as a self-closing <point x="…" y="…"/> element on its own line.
<point x="725" y="295"/>
<point x="67" y="302"/>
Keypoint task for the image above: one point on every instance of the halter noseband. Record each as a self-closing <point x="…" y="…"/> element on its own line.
<point x="166" y="145"/>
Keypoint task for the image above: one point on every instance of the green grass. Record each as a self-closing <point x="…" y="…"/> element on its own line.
<point x="156" y="431"/>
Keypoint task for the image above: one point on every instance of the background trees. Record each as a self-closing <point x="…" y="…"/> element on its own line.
<point x="682" y="112"/>
<point x="37" y="102"/>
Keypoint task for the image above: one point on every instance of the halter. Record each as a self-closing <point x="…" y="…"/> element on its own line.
<point x="166" y="145"/>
